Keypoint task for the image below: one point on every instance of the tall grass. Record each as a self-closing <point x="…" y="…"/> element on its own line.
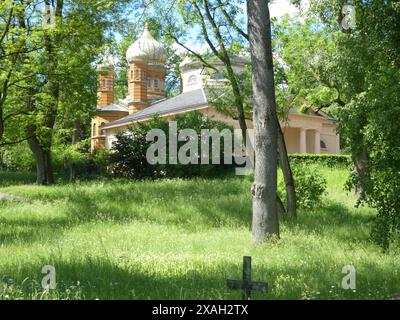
<point x="181" y="239"/>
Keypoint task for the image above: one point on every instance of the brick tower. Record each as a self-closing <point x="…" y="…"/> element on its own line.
<point x="146" y="73"/>
<point x="105" y="86"/>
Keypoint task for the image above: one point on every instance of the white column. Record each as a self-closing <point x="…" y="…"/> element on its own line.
<point x="303" y="141"/>
<point x="338" y="151"/>
<point x="317" y="148"/>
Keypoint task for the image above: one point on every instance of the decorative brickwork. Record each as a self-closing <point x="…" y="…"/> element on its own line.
<point x="105" y="89"/>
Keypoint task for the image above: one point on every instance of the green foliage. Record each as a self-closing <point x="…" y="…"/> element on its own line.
<point x="48" y="78"/>
<point x="77" y="157"/>
<point x="17" y="158"/>
<point x="368" y="59"/>
<point x="380" y="129"/>
<point x="330" y="160"/>
<point x="310" y="186"/>
<point x="86" y="165"/>
<point x="128" y="156"/>
<point x="355" y="73"/>
<point x="74" y="154"/>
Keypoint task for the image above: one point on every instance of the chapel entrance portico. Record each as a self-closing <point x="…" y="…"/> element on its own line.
<point x="302" y="140"/>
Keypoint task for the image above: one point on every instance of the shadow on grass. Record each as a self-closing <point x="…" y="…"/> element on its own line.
<point x="99" y="278"/>
<point x="29" y="231"/>
<point x="336" y="220"/>
<point x="8" y="178"/>
<point x="190" y="204"/>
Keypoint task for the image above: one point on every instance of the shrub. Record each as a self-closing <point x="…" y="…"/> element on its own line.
<point x="323" y="159"/>
<point x="17" y="158"/>
<point x="128" y="159"/>
<point x="310" y="186"/>
<point x="79" y="158"/>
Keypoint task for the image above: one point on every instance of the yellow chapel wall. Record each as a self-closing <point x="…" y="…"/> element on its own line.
<point x="291" y="127"/>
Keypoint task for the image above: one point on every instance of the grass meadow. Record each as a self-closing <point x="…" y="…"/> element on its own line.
<point x="181" y="239"/>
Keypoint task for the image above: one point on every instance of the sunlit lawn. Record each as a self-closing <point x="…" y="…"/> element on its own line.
<point x="176" y="239"/>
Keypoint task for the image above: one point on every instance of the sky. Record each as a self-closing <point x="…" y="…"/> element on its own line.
<point x="281" y="7"/>
<point x="277" y="9"/>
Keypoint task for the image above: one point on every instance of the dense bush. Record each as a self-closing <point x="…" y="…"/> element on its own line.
<point x="78" y="162"/>
<point x="17" y="158"/>
<point x="128" y="156"/>
<point x="310" y="186"/>
<point x="65" y="158"/>
<point x="324" y="159"/>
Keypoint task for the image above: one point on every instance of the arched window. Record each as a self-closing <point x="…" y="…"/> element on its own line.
<point x="323" y="145"/>
<point x="137" y="74"/>
<point x="148" y="83"/>
<point x="192" y="79"/>
<point x="156" y="84"/>
<point x="109" y="84"/>
<point x="94" y="130"/>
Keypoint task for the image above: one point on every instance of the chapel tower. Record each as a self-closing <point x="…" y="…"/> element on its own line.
<point x="105" y="86"/>
<point x="107" y="110"/>
<point x="146" y="72"/>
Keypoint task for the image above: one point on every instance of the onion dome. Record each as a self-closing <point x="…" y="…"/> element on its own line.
<point x="147" y="49"/>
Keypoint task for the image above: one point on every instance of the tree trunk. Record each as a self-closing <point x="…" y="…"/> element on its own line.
<point x="42" y="157"/>
<point x="362" y="170"/>
<point x="280" y="207"/>
<point x="291" y="199"/>
<point x="76" y="137"/>
<point x="265" y="218"/>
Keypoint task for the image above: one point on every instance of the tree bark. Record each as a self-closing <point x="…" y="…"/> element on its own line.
<point x="280" y="207"/>
<point x="76" y="137"/>
<point x="265" y="218"/>
<point x="42" y="157"/>
<point x="362" y="170"/>
<point x="291" y="198"/>
<point x="41" y="147"/>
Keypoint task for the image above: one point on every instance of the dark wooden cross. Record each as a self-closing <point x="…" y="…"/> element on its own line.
<point x="246" y="285"/>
